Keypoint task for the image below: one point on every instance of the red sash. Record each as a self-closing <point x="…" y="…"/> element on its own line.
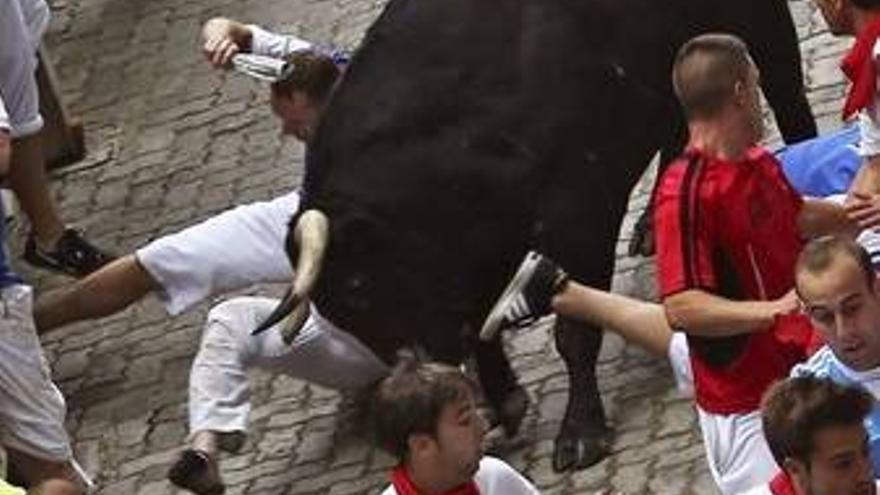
<point x="404" y="485"/>
<point x="858" y="66"/>
<point x="781" y="485"/>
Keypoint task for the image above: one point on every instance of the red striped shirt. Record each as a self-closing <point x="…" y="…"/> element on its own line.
<point x="730" y="228"/>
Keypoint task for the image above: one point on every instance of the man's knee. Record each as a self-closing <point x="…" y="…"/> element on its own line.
<point x="237" y="312"/>
<point x="230" y="323"/>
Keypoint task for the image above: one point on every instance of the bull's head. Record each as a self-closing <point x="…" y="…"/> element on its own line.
<point x="433" y="157"/>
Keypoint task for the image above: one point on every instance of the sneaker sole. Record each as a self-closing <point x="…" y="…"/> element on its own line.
<point x="523" y="273"/>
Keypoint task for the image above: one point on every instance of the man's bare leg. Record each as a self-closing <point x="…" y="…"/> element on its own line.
<point x="27" y="178"/>
<point x="106" y="291"/>
<point x="638" y="322"/>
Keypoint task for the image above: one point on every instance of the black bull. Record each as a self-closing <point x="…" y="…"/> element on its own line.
<point x="467" y="131"/>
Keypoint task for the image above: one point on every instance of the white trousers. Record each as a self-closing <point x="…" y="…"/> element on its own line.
<point x="219" y="398"/>
<point x="22" y="23"/>
<point x="736" y="450"/>
<point x="32" y="409"/>
<point x="235" y="249"/>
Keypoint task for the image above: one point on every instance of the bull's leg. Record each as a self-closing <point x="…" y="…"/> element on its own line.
<point x="584" y="437"/>
<point x="507" y="398"/>
<point x="774" y="44"/>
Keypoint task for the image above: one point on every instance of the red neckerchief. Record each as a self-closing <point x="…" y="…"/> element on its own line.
<point x="781" y="485"/>
<point x="404" y="485"/>
<point x="858" y="66"/>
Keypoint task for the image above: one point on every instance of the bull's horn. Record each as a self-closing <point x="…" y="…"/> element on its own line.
<point x="310" y="234"/>
<point x="291" y="312"/>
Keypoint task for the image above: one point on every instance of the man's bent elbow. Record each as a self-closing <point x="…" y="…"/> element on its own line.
<point x="678" y="311"/>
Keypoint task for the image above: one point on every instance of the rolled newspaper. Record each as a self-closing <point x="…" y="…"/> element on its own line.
<point x="269" y="69"/>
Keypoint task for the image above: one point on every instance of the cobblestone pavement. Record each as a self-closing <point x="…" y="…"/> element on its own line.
<point x="171" y="142"/>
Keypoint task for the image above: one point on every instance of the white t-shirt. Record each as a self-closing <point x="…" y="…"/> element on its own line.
<point x="275" y="45"/>
<point x="495" y="477"/>
<point x="22" y="23"/>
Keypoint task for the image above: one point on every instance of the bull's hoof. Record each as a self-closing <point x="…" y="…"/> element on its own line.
<point x="513" y="410"/>
<point x="575" y="451"/>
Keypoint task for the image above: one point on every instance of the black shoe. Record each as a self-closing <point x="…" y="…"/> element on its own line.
<point x="195" y="471"/>
<point x="72" y="255"/>
<point x="527" y="297"/>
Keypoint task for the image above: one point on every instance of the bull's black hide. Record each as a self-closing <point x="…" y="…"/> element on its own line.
<point x="465" y="132"/>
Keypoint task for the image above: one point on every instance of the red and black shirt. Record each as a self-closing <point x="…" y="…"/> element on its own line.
<point x="730" y="228"/>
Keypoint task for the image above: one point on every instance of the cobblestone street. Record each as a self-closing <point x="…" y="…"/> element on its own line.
<point x="171" y="142"/>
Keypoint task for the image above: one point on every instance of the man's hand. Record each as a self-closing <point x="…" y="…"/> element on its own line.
<point x="786" y="304"/>
<point x="863" y="209"/>
<point x="222" y="39"/>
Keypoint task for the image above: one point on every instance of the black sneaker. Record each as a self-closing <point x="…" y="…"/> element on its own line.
<point x="72" y="255"/>
<point x="197" y="472"/>
<point x="527" y="297"/>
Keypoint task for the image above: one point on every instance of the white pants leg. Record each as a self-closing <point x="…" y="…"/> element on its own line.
<point x="32" y="409"/>
<point x="235" y="249"/>
<point x="736" y="451"/>
<point x="321" y="353"/>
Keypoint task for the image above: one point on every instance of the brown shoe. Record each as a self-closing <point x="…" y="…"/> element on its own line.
<point x="197" y="472"/>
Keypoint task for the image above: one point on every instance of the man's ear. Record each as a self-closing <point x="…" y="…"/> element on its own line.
<point x="739" y="93"/>
<point x="419" y="443"/>
<point x="798" y="472"/>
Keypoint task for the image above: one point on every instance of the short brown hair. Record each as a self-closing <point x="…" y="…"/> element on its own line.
<point x="794" y="410"/>
<point x="818" y="254"/>
<point x="410" y="401"/>
<point x="313" y="73"/>
<point x="706" y="70"/>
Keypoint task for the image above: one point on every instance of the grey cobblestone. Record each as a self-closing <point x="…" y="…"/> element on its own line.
<point x="171" y="142"/>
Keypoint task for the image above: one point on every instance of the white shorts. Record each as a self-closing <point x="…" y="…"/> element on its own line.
<point x="736" y="450"/>
<point x="22" y="23"/>
<point x="219" y="397"/>
<point x="32" y="409"/>
<point x="235" y="249"/>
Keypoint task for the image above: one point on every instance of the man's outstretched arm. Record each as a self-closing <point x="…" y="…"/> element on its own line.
<point x="698" y="312"/>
